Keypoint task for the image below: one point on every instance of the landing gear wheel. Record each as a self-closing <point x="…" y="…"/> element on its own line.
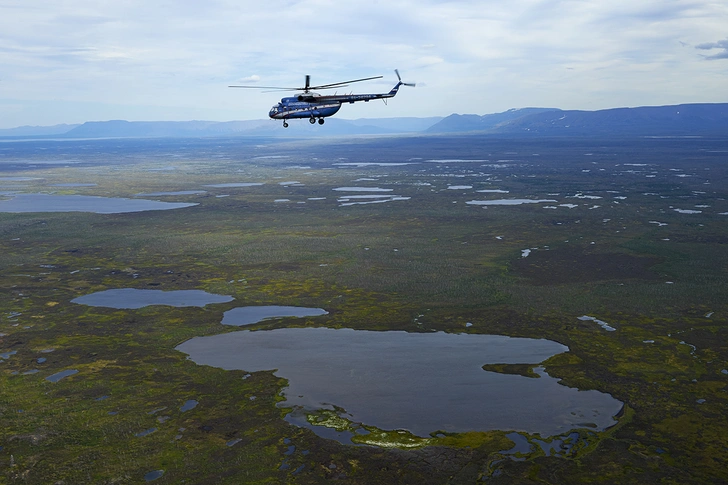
<point x="285" y="124"/>
<point x="312" y="120"/>
<point x="321" y="121"/>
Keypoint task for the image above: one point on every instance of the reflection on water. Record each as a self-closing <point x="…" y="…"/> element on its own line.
<point x="83" y="203"/>
<point x="422" y="382"/>
<point x="130" y="298"/>
<point x="248" y="315"/>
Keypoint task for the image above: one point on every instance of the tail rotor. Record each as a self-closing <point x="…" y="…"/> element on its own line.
<point x="396" y="71"/>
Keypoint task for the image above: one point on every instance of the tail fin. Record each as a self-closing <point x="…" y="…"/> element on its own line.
<point x="400" y="83"/>
<point x="394" y="90"/>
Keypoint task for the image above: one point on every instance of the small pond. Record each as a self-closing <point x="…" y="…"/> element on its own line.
<point x="508" y="201"/>
<point x="73" y="185"/>
<point x="247" y="315"/>
<point x="362" y="189"/>
<point x="153" y="475"/>
<point x="422" y="382"/>
<point x="83" y="203"/>
<point x="178" y="192"/>
<point x="130" y="298"/>
<point x="60" y="375"/>
<point x="188" y="405"/>
<point x="231" y="185"/>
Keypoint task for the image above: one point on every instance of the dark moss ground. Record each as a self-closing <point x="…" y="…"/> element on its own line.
<point x="428" y="263"/>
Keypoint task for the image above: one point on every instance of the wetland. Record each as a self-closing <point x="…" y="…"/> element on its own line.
<point x="411" y="342"/>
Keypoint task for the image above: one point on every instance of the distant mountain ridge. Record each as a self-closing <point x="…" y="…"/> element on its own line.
<point x="683" y="119"/>
<point x="180" y="129"/>
<point x="139" y="129"/>
<point x="37" y="130"/>
<point x="461" y="123"/>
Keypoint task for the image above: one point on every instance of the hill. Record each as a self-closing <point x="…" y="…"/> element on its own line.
<point x="456" y="123"/>
<point x="683" y="119"/>
<point x="334" y="126"/>
<point x="37" y="130"/>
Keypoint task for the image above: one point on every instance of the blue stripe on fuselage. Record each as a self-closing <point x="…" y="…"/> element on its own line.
<point x="305" y="110"/>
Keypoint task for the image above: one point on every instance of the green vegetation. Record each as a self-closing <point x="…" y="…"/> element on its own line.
<point x="428" y="263"/>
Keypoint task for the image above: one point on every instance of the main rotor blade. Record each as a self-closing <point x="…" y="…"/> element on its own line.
<point x="335" y="85"/>
<point x="308" y="87"/>
<point x="280" y="89"/>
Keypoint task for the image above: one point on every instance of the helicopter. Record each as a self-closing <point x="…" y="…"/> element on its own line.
<point x="316" y="107"/>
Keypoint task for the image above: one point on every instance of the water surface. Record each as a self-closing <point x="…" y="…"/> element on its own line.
<point x="60" y="375"/>
<point x="248" y="315"/>
<point x="83" y="203"/>
<point x="153" y="475"/>
<point x="362" y="189"/>
<point x="422" y="382"/>
<point x="178" y="192"/>
<point x="188" y="405"/>
<point x="508" y="201"/>
<point x="234" y="184"/>
<point x="74" y="185"/>
<point x="130" y="298"/>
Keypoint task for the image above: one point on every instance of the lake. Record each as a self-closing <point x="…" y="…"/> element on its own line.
<point x="248" y="315"/>
<point x="131" y="298"/>
<point x="422" y="382"/>
<point x="83" y="203"/>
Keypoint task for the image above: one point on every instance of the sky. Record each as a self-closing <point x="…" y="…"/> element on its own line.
<point x="71" y="61"/>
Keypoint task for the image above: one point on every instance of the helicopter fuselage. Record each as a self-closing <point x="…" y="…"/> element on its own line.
<point x="315" y="106"/>
<point x="294" y="108"/>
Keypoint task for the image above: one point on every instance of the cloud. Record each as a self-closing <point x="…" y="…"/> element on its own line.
<point x="477" y="56"/>
<point x="250" y="79"/>
<point x="721" y="44"/>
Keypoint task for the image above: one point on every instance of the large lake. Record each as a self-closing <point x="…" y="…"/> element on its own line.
<point x="422" y="382"/>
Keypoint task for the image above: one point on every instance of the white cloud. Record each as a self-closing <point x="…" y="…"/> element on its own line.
<point x="250" y="79"/>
